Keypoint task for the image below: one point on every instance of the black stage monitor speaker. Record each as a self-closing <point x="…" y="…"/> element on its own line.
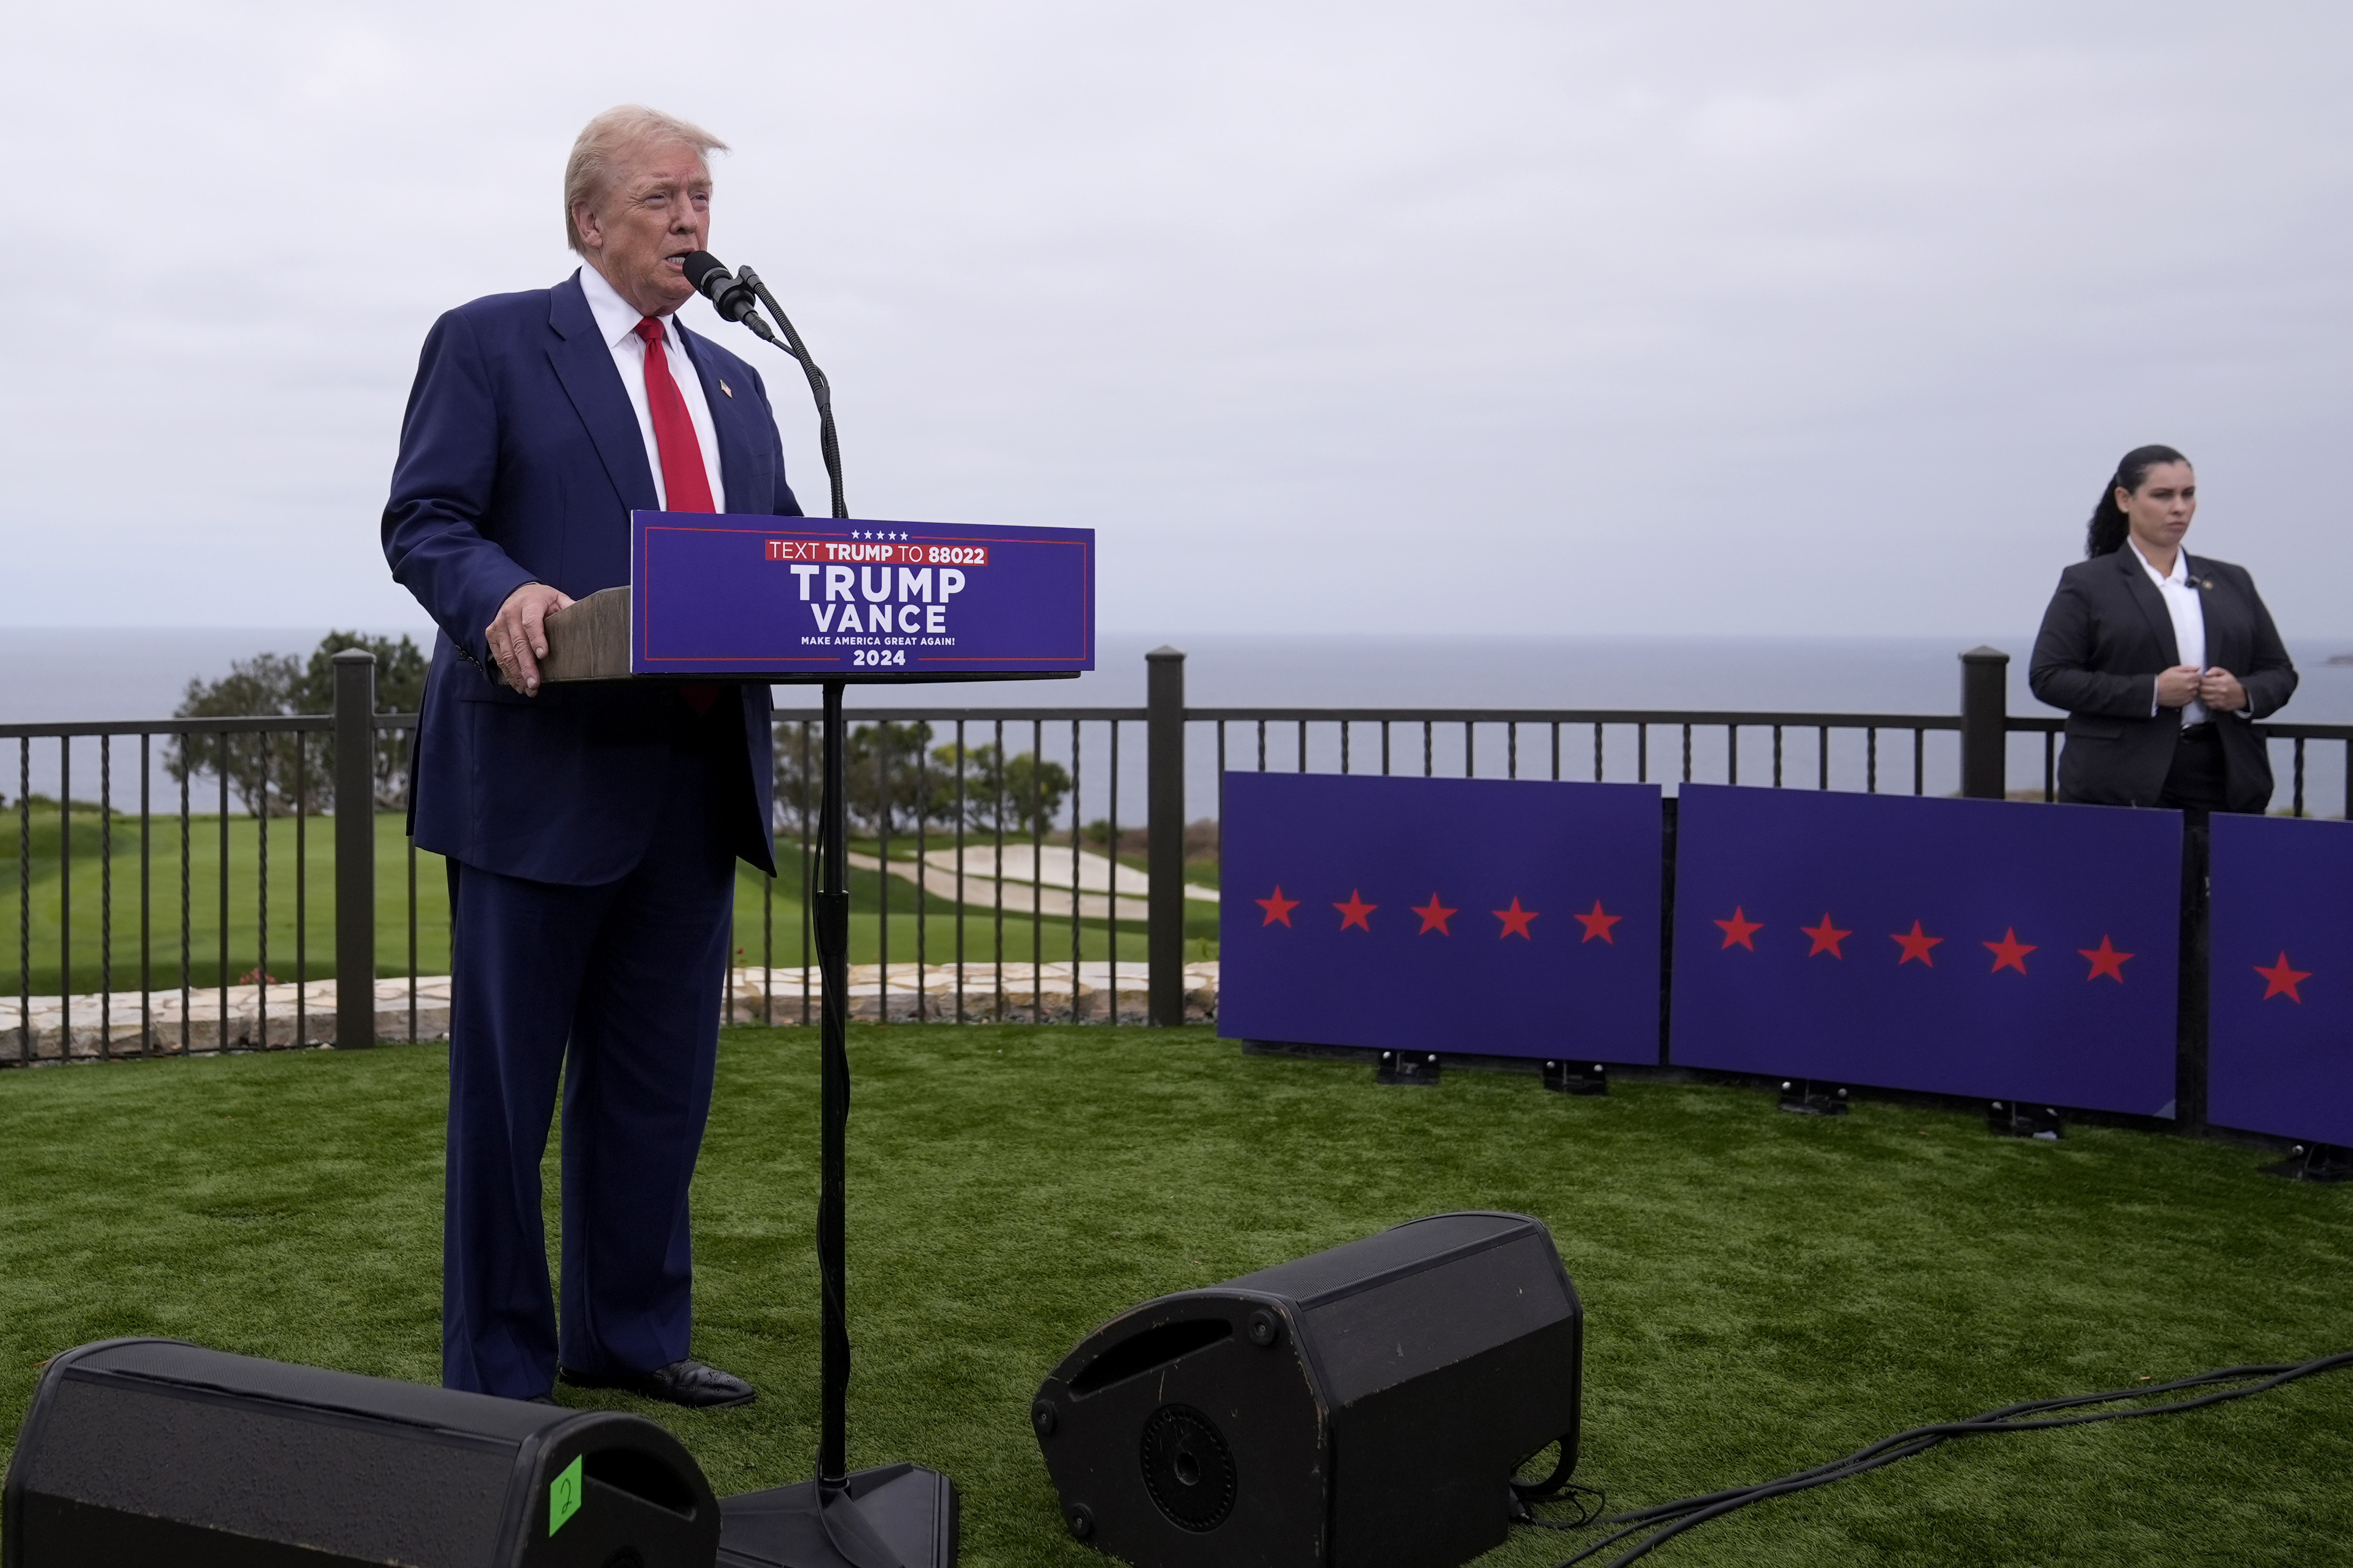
<point x="1362" y="1408"/>
<point x="141" y="1453"/>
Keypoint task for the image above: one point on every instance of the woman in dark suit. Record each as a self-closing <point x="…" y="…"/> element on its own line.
<point x="2163" y="661"/>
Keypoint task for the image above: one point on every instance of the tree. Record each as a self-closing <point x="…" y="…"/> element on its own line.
<point x="1021" y="793"/>
<point x="889" y="787"/>
<point x="400" y="667"/>
<point x="889" y="784"/>
<point x="268" y="771"/>
<point x="262" y="768"/>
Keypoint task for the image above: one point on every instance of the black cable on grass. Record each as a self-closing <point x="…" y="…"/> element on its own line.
<point x="1589" y="1501"/>
<point x="1687" y="1513"/>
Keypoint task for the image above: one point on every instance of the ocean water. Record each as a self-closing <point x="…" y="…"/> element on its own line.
<point x="51" y="674"/>
<point x="1838" y="675"/>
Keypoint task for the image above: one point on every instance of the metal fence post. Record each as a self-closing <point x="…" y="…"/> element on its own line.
<point x="1165" y="833"/>
<point x="2191" y="1046"/>
<point x="355" y="849"/>
<point x="1985" y="712"/>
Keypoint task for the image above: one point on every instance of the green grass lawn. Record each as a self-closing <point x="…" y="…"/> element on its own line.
<point x="1047" y="940"/>
<point x="101" y="865"/>
<point x="1763" y="1291"/>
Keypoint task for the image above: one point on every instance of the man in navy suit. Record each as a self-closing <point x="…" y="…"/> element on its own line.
<point x="590" y="830"/>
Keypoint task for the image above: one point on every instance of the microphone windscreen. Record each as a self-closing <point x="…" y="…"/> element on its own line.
<point x="703" y="269"/>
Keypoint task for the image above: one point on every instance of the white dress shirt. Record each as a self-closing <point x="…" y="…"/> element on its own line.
<point x="618" y="319"/>
<point x="2189" y="619"/>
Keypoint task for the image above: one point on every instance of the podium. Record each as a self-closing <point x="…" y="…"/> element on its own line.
<point x="835" y="602"/>
<point x="803" y="601"/>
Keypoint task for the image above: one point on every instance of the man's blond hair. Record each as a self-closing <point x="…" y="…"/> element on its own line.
<point x="605" y="141"/>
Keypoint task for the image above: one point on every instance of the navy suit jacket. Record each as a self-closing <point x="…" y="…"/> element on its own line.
<point x="520" y="462"/>
<point x="2106" y="638"/>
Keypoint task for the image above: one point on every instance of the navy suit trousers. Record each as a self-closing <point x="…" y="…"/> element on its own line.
<point x="614" y="988"/>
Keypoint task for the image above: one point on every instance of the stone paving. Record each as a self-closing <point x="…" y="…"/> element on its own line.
<point x="279" y="1016"/>
<point x="86" y="1028"/>
<point x="1042" y="992"/>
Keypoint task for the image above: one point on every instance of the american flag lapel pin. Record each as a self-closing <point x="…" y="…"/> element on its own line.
<point x="728" y="389"/>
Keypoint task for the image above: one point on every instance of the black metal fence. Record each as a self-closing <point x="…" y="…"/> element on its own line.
<point x="928" y="782"/>
<point x="166" y="802"/>
<point x="930" y="788"/>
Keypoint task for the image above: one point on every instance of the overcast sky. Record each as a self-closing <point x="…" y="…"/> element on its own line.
<point x="1681" y="316"/>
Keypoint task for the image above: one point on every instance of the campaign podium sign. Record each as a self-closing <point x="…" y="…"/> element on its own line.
<point x="794" y="599"/>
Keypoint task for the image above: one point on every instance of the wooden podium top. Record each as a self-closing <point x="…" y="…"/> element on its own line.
<point x="589" y="640"/>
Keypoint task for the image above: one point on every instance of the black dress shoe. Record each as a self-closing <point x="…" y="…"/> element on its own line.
<point x="693" y="1383"/>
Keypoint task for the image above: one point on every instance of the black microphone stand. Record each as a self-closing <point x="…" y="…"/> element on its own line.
<point x="820" y="389"/>
<point x="894" y="1516"/>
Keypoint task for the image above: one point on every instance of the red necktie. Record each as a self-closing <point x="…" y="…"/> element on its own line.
<point x="686" y="484"/>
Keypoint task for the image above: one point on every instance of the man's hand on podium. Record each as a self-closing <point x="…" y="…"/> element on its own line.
<point x="518" y="637"/>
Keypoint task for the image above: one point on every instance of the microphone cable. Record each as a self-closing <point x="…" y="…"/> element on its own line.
<point x="1688" y="1513"/>
<point x="728" y="292"/>
<point x="820" y="389"/>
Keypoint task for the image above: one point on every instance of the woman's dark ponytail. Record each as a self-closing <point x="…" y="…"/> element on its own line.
<point x="2108" y="528"/>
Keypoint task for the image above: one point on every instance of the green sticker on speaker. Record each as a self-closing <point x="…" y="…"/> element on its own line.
<point x="564" y="1495"/>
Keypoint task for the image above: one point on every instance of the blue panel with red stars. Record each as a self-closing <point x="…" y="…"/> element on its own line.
<point x="2280" y="989"/>
<point x="1492" y="916"/>
<point x="1997" y="949"/>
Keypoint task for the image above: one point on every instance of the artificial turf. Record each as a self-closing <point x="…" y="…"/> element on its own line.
<point x="1763" y="1291"/>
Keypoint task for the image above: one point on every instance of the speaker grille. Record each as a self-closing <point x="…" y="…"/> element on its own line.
<point x="1187" y="1467"/>
<point x="337" y="1483"/>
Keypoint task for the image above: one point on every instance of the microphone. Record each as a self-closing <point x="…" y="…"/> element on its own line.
<point x="730" y="295"/>
<point x="737" y="298"/>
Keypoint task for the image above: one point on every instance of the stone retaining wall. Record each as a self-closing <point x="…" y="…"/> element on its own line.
<point x="1043" y="994"/>
<point x="256" y="1016"/>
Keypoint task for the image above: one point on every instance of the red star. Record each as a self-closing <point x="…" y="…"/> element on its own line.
<point x="2282" y="981"/>
<point x="1515" y="919"/>
<point x="1354" y="911"/>
<point x="1827" y="937"/>
<point x="1916" y="945"/>
<point x="2009" y="952"/>
<point x="1434" y="916"/>
<point x="1599" y="924"/>
<point x="2105" y="960"/>
<point x="1739" y="928"/>
<point x="1277" y="907"/>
